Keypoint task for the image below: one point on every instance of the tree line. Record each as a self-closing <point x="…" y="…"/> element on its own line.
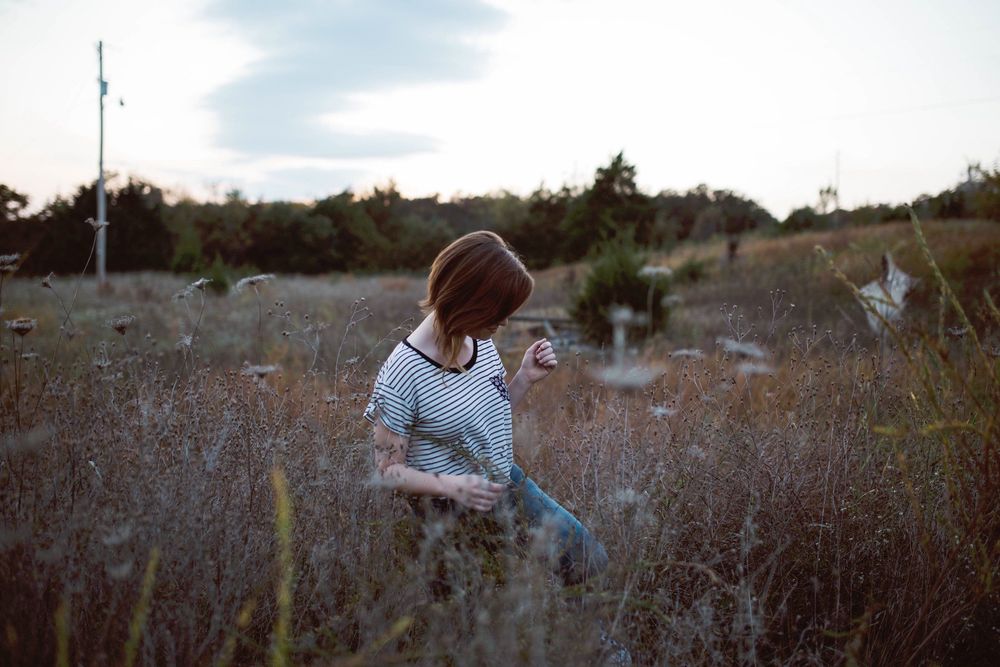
<point x="382" y="230"/>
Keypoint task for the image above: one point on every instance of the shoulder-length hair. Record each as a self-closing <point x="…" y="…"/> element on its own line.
<point x="475" y="283"/>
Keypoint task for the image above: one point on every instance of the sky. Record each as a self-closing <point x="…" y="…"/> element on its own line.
<point x="297" y="100"/>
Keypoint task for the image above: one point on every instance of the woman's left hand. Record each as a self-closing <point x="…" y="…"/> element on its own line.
<point x="539" y="361"/>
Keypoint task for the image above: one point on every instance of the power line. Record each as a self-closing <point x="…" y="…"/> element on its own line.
<point x="923" y="107"/>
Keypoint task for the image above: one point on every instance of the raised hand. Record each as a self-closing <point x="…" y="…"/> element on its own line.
<point x="539" y="360"/>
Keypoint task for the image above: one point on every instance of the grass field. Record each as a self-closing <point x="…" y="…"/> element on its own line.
<point x="173" y="500"/>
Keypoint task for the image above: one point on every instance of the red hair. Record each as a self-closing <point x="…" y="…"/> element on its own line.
<point x="475" y="283"/>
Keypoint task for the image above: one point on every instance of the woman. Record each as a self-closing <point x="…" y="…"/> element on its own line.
<point x="441" y="407"/>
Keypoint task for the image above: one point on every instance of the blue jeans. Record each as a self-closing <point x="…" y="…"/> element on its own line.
<point x="578" y="554"/>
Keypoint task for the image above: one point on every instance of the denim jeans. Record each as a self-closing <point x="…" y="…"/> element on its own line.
<point x="578" y="554"/>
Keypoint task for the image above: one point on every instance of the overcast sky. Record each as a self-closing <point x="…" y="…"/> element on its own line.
<point x="300" y="99"/>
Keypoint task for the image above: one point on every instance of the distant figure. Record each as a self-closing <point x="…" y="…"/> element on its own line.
<point x="732" y="247"/>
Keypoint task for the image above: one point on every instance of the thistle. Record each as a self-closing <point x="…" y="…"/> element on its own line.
<point x="653" y="272"/>
<point x="751" y="350"/>
<point x="252" y="281"/>
<point x="258" y="372"/>
<point x="9" y="263"/>
<point x="22" y="326"/>
<point x="121" y="323"/>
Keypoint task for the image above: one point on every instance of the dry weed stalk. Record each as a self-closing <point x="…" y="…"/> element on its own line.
<point x="751" y="516"/>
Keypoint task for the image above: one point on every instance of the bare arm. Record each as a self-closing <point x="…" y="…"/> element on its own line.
<point x="539" y="360"/>
<point x="470" y="491"/>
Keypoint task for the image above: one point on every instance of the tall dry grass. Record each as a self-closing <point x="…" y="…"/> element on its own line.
<point x="818" y="506"/>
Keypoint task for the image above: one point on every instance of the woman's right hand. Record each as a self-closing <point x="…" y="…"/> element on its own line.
<point x="473" y="491"/>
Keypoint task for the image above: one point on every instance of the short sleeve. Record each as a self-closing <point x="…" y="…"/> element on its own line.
<point x="391" y="408"/>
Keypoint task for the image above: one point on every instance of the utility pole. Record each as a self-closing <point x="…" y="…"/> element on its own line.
<point x="102" y="228"/>
<point x="836" y="192"/>
<point x="836" y="183"/>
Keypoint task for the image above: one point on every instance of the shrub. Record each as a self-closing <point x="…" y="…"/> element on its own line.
<point x="218" y="273"/>
<point x="691" y="271"/>
<point x="616" y="278"/>
<point x="802" y="219"/>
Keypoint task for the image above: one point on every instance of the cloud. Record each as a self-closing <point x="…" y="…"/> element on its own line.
<point x="317" y="53"/>
<point x="302" y="183"/>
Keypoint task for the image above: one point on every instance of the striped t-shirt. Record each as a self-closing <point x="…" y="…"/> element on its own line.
<point x="457" y="423"/>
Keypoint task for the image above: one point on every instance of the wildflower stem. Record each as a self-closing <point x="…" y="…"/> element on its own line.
<point x="946" y="291"/>
<point x="197" y="324"/>
<point x="17" y="379"/>
<point x="1" y="311"/>
<point x="62" y="633"/>
<point x="283" y="528"/>
<point x="141" y="609"/>
<point x="83" y="273"/>
<point x="260" y="326"/>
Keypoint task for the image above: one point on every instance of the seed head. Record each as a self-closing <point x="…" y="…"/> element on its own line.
<point x="259" y="371"/>
<point x="253" y="281"/>
<point x="671" y="300"/>
<point x="754" y="368"/>
<point x="121" y="323"/>
<point x="201" y="283"/>
<point x="47" y="280"/>
<point x="22" y="325"/>
<point x="8" y="263"/>
<point x="95" y="224"/>
<point x="662" y="411"/>
<point x="746" y="349"/>
<point x="625" y="378"/>
<point x="655" y="272"/>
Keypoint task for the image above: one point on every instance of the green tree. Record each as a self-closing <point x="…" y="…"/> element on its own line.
<point x="138" y="238"/>
<point x="12" y="204"/>
<point x="224" y="229"/>
<point x="612" y="205"/>
<point x="180" y="221"/>
<point x="803" y="219"/>
<point x="290" y="238"/>
<point x="56" y="239"/>
<point x="420" y="241"/>
<point x="986" y="199"/>
<point x="533" y="227"/>
<point x="357" y="244"/>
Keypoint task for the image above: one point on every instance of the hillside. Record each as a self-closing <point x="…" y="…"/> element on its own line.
<point x="968" y="253"/>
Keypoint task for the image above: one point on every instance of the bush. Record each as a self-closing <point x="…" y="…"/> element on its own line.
<point x="802" y="219"/>
<point x="691" y="271"/>
<point x="218" y="273"/>
<point x="616" y="278"/>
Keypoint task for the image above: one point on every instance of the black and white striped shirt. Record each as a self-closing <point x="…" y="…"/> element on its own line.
<point x="457" y="423"/>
